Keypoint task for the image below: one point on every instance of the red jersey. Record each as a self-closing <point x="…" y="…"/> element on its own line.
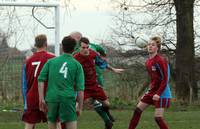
<point x="157" y="70"/>
<point x="88" y="64"/>
<point x="33" y="67"/>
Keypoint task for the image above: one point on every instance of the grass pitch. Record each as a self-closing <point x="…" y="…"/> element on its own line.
<point x="90" y="120"/>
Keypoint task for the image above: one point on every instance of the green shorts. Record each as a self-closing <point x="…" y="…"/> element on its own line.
<point x="65" y="111"/>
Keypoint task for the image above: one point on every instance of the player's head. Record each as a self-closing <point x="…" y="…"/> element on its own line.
<point x="40" y="41"/>
<point x="76" y="35"/>
<point x="84" y="46"/>
<point x="154" y="45"/>
<point x="68" y="44"/>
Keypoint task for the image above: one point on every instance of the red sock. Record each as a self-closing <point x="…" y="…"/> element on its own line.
<point x="161" y="123"/>
<point x="135" y="118"/>
<point x="63" y="126"/>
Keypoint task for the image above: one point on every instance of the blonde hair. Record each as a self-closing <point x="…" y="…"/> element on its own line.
<point x="40" y="41"/>
<point x="157" y="39"/>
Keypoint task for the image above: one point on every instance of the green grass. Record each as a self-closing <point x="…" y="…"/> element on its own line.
<point x="90" y="120"/>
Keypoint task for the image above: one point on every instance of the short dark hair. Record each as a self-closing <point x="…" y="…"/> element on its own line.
<point x="85" y="40"/>
<point x="68" y="44"/>
<point x="40" y="41"/>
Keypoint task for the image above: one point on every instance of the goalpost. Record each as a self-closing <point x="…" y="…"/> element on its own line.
<point x="57" y="17"/>
<point x="11" y="58"/>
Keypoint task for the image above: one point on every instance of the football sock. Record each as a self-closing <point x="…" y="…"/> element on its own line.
<point x="135" y="118"/>
<point x="99" y="109"/>
<point x="161" y="123"/>
<point x="63" y="126"/>
<point x="106" y="109"/>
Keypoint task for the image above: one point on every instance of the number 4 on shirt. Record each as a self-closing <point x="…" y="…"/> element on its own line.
<point x="64" y="69"/>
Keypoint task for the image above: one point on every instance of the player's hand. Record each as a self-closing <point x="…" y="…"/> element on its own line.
<point x="156" y="97"/>
<point x="78" y="112"/>
<point x="103" y="58"/>
<point x="118" y="70"/>
<point x="43" y="106"/>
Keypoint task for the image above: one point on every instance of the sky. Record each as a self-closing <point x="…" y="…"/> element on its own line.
<point x="90" y="17"/>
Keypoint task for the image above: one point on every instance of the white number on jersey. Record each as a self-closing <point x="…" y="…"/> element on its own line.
<point x="64" y="69"/>
<point x="37" y="63"/>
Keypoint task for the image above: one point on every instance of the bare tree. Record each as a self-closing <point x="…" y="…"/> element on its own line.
<point x="171" y="19"/>
<point x="185" y="77"/>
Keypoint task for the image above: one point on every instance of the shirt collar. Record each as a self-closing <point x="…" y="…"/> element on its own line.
<point x="67" y="55"/>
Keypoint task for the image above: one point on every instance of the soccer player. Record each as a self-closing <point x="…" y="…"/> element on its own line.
<point x="97" y="48"/>
<point x="62" y="73"/>
<point x="31" y="70"/>
<point x="159" y="93"/>
<point x="93" y="94"/>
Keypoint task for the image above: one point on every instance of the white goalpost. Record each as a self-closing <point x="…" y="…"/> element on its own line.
<point x="48" y="5"/>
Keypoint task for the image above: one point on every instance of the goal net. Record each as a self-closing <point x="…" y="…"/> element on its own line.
<point x="18" y="27"/>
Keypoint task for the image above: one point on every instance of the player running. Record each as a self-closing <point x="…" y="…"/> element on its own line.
<point x="93" y="91"/>
<point x="102" y="52"/>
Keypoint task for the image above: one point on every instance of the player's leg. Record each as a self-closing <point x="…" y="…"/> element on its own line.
<point x="71" y="125"/>
<point x="31" y="117"/>
<point x="88" y="103"/>
<point x="106" y="107"/>
<point x="98" y="107"/>
<point x="102" y="98"/>
<point x="51" y="125"/>
<point x="159" y="118"/>
<point x="103" y="107"/>
<point x="145" y="101"/>
<point x="29" y="126"/>
<point x="159" y="111"/>
<point x="63" y="125"/>
<point x="67" y="113"/>
<point x="52" y="114"/>
<point x="58" y="125"/>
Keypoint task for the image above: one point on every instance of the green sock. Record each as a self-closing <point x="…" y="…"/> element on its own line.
<point x="99" y="109"/>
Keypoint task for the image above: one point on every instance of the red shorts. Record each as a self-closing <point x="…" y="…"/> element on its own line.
<point x="34" y="116"/>
<point x="95" y="92"/>
<point x="161" y="103"/>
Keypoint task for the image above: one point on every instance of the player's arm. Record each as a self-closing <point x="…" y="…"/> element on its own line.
<point x="41" y="80"/>
<point x="42" y="104"/>
<point x="80" y="88"/>
<point x="103" y="64"/>
<point x="116" y="70"/>
<point x="80" y="102"/>
<point x="99" y="61"/>
<point x="24" y="85"/>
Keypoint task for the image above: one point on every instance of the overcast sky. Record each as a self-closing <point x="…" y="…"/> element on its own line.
<point x="91" y="17"/>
